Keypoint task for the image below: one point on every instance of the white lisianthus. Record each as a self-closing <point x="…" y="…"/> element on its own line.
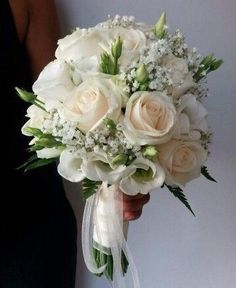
<point x="36" y="116"/>
<point x="97" y="168"/>
<point x="192" y="118"/>
<point x="91" y="102"/>
<point x="69" y="166"/>
<point x="181" y="160"/>
<point x="142" y="176"/>
<point x="98" y="40"/>
<point x="180" y="75"/>
<point x="149" y="118"/>
<point x="53" y="84"/>
<point x="47" y="153"/>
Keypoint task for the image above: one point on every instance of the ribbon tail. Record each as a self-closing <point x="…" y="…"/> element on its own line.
<point x="87" y="236"/>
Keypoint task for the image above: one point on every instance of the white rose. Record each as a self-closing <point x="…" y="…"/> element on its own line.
<point x="82" y="43"/>
<point x="95" y="41"/>
<point x="91" y="102"/>
<point x="53" y="84"/>
<point x="149" y="118"/>
<point x="142" y="176"/>
<point x="69" y="166"/>
<point x="36" y="116"/>
<point x="180" y="75"/>
<point x="181" y="161"/>
<point x="192" y="117"/>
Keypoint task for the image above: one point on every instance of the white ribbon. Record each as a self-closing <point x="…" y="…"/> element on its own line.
<point x="103" y="224"/>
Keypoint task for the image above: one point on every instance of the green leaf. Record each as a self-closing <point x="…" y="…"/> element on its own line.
<point x="143" y="87"/>
<point x="109" y="123"/>
<point x="206" y="61"/>
<point x="89" y="187"/>
<point x="44" y="140"/>
<point x="101" y="259"/>
<point x="39" y="163"/>
<point x="109" y="268"/>
<point x="124" y="263"/>
<point x="96" y="256"/>
<point x="30" y="160"/>
<point x="216" y="64"/>
<point x="48" y="142"/>
<point x="206" y="174"/>
<point x="207" y="65"/>
<point x="178" y="192"/>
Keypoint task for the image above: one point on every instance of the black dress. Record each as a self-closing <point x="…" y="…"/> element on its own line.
<point x="38" y="229"/>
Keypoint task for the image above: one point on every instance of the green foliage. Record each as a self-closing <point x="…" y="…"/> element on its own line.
<point x="178" y="192"/>
<point x="30" y="97"/>
<point x="150" y="152"/>
<point x="160" y="27"/>
<point x="26" y="96"/>
<point x="120" y="159"/>
<point x="35" y="162"/>
<point x="41" y="141"/>
<point x="207" y="65"/>
<point x="29" y="161"/>
<point x="142" y="74"/>
<point x="89" y="187"/>
<point x="142" y="77"/>
<point x="102" y="259"/>
<point x="109" y="62"/>
<point x="109" y="123"/>
<point x="116" y="48"/>
<point x="44" y="140"/>
<point x="33" y="131"/>
<point x="206" y="174"/>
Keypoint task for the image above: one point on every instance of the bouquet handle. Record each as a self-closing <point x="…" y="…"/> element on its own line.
<point x="104" y="236"/>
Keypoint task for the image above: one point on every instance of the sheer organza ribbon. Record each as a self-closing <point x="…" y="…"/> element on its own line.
<point x="103" y="228"/>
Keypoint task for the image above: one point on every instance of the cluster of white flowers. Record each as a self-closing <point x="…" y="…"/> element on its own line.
<point x="122" y="104"/>
<point x="124" y="93"/>
<point x="121" y="21"/>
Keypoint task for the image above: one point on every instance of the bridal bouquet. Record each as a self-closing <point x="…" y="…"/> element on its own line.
<point x="120" y="108"/>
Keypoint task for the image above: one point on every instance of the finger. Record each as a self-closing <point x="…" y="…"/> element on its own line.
<point x="130" y="216"/>
<point x="124" y="196"/>
<point x="143" y="200"/>
<point x="135" y="205"/>
<point x="131" y="198"/>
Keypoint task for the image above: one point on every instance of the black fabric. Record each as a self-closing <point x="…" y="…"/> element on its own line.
<point x="38" y="229"/>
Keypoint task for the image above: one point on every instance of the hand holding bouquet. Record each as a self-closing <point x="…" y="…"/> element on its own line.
<point x="120" y="108"/>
